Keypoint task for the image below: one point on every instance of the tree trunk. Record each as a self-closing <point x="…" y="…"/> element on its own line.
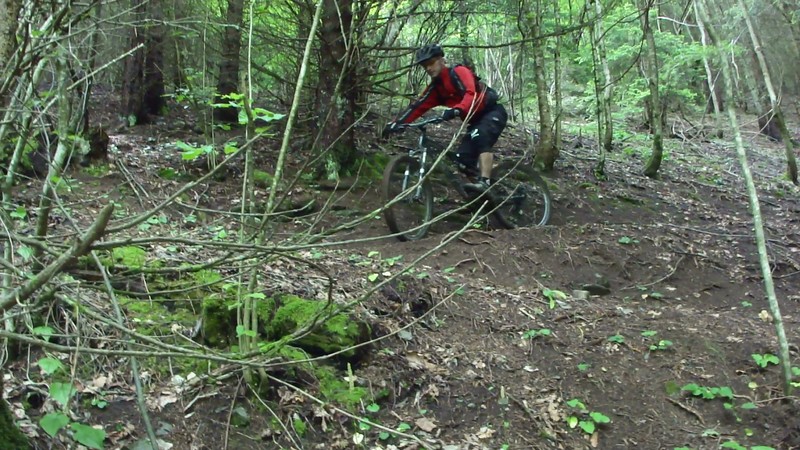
<point x="12" y="438"/>
<point x="9" y="13"/>
<point x="336" y="97"/>
<point x="599" y="169"/>
<point x="791" y="163"/>
<point x="546" y="150"/>
<point x="557" y="80"/>
<point x="714" y="104"/>
<point x="143" y="82"/>
<point x="228" y="81"/>
<point x="607" y="138"/>
<point x="463" y="37"/>
<point x="650" y="69"/>
<point x="755" y="209"/>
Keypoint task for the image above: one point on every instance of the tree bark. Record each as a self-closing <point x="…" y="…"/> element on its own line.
<point x="228" y="81"/>
<point x="546" y="149"/>
<point x="143" y="82"/>
<point x="791" y="162"/>
<point x="9" y="16"/>
<point x="755" y="209"/>
<point x="715" y="104"/>
<point x="336" y="94"/>
<point x="607" y="138"/>
<point x="650" y="71"/>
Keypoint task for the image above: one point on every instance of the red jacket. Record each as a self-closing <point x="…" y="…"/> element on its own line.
<point x="459" y="91"/>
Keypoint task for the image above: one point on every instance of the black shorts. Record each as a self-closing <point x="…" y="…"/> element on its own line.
<point x="481" y="135"/>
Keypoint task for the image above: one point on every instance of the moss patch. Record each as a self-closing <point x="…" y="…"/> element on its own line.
<point x="334" y="334"/>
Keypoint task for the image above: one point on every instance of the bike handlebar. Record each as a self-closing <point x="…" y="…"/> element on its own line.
<point x="421" y="124"/>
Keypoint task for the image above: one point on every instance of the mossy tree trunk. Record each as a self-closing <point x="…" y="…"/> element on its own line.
<point x="607" y="136"/>
<point x="228" y="81"/>
<point x="559" y="113"/>
<point x="143" y="82"/>
<point x="546" y="149"/>
<point x="335" y="90"/>
<point x="10" y="437"/>
<point x="600" y="166"/>
<point x="649" y="68"/>
<point x="9" y="13"/>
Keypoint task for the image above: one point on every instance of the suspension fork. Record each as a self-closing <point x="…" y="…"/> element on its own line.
<point x="422" y="160"/>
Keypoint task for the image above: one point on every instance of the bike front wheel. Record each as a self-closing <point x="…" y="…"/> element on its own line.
<point x="411" y="208"/>
<point x="522" y="196"/>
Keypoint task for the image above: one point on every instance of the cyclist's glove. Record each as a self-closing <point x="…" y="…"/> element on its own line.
<point x="450" y="113"/>
<point x="391" y="127"/>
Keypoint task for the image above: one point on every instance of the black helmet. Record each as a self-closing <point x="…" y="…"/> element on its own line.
<point x="428" y="52"/>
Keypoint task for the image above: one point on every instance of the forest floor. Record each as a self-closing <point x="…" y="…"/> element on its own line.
<point x="479" y="349"/>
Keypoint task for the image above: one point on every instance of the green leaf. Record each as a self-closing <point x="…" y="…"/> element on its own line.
<point x="403" y="427"/>
<point x="88" y="436"/>
<point x="572" y="421"/>
<point x="726" y="392"/>
<point x="748" y="405"/>
<point x="575" y="403"/>
<point x="44" y="332"/>
<point x="25" y="252"/>
<point x="617" y="338"/>
<point x="20" y="213"/>
<point x="599" y="417"/>
<point x="373" y="407"/>
<point x="649" y="333"/>
<point x="587" y="426"/>
<point x="734" y="445"/>
<point x="51" y="423"/>
<point x="372" y="277"/>
<point x="62" y="392"/>
<point x="50" y="365"/>
<point x="384" y="435"/>
<point x="363" y="426"/>
<point x="373" y="253"/>
<point x="242" y="331"/>
<point x="257" y="295"/>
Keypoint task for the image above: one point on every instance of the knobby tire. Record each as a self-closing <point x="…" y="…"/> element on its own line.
<point x="409" y="217"/>
<point x="522" y="194"/>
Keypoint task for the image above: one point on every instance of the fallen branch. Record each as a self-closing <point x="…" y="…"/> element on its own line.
<point x="80" y="247"/>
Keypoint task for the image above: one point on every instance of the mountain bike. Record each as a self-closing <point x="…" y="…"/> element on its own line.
<point x="517" y="195"/>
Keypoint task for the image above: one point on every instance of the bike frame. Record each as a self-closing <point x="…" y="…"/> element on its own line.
<point x="420" y="152"/>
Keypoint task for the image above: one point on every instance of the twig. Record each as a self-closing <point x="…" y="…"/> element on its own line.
<point x="79" y="248"/>
<point x="137" y="380"/>
<point x="687" y="409"/>
<point x="672" y="272"/>
<point x="230" y="413"/>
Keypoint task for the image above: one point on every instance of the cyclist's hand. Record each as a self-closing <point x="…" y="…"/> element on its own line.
<point x="391" y="127"/>
<point x="450" y="113"/>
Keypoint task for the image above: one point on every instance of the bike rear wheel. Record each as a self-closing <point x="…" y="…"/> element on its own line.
<point x="522" y="195"/>
<point x="411" y="213"/>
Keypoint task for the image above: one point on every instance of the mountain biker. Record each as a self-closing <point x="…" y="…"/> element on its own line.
<point x="466" y="97"/>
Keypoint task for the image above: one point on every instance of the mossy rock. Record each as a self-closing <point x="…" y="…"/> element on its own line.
<point x="337" y="333"/>
<point x="219" y="321"/>
<point x="332" y="383"/>
<point x="11" y="438"/>
<point x="153" y="318"/>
